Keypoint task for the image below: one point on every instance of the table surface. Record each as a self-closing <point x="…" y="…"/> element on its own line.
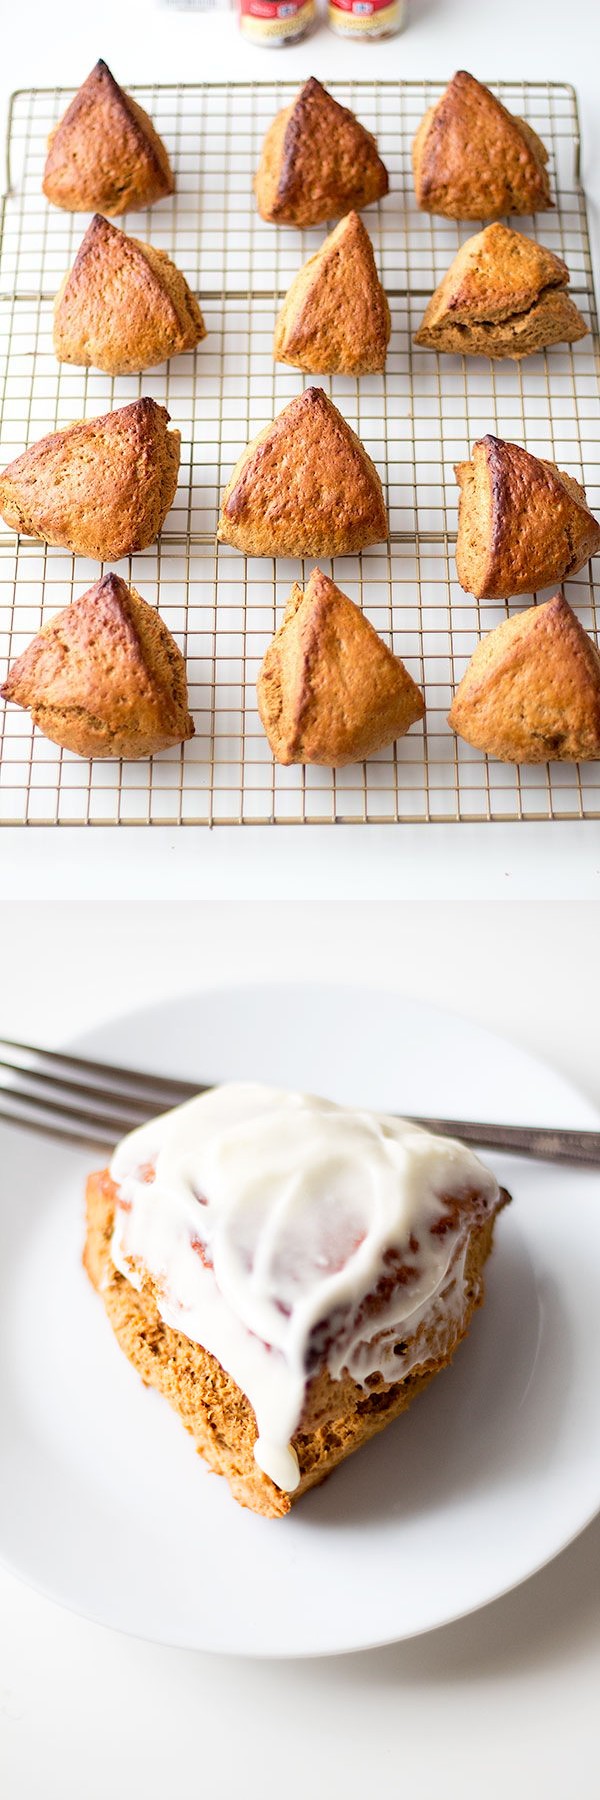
<point x="502" y="926"/>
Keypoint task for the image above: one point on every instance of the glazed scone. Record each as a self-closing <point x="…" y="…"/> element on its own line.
<point x="531" y="692"/>
<point x="329" y="690"/>
<point x="317" y="162"/>
<point x="282" y="1364"/>
<point x="105" y="155"/>
<point x="335" y="319"/>
<point x="522" y="523"/>
<point x="472" y="159"/>
<point x="123" y="306"/>
<point x="503" y="295"/>
<point x="101" y="488"/>
<point x="105" y="677"/>
<point x="304" y="487"/>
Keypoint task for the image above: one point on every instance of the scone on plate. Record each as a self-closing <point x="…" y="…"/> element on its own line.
<point x="523" y="524"/>
<point x="288" y="1273"/>
<point x="304" y="487"/>
<point x="105" y="677"/>
<point x="531" y="692"/>
<point x="504" y="295"/>
<point x="101" y="488"/>
<point x="329" y="690"/>
<point x="472" y="159"/>
<point x="317" y="162"/>
<point x="105" y="155"/>
<point x="335" y="319"/>
<point x="123" y="306"/>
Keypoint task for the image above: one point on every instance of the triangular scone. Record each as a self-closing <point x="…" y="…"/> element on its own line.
<point x="105" y="155"/>
<point x="329" y="690"/>
<point x="503" y="295"/>
<point x="317" y="161"/>
<point x="123" y="306"/>
<point x="304" y="487"/>
<point x="531" y="692"/>
<point x="101" y="488"/>
<point x="335" y="319"/>
<point x="522" y="523"/>
<point x="474" y="160"/>
<point x="104" y="677"/>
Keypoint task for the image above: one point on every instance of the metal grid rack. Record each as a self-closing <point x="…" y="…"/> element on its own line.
<point x="415" y="421"/>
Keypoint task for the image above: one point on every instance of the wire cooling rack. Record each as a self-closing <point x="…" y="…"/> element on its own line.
<point x="415" y="421"/>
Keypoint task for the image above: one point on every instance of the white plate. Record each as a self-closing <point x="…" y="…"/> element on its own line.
<point x="104" y="1504"/>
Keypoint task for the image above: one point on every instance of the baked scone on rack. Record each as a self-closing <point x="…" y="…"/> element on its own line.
<point x="335" y="319"/>
<point x="317" y="162"/>
<point x="503" y="296"/>
<point x="288" y="1273"/>
<point x="105" y="155"/>
<point x="123" y="306"/>
<point x="105" y="677"/>
<point x="304" y="486"/>
<point x="101" y="487"/>
<point x="531" y="692"/>
<point x="523" y="524"/>
<point x="329" y="690"/>
<point x="473" y="159"/>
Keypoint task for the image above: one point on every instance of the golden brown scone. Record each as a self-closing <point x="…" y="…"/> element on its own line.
<point x="335" y="319"/>
<point x="531" y="693"/>
<point x="338" y="1416"/>
<point x="104" y="677"/>
<point x="123" y="306"/>
<point x="522" y="523"/>
<point x="317" y="162"/>
<point x="474" y="160"/>
<point x="101" y="488"/>
<point x="503" y="295"/>
<point x="329" y="690"/>
<point x="304" y="487"/>
<point x="105" y="155"/>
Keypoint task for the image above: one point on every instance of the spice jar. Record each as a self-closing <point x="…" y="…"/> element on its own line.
<point x="275" y="22"/>
<point x="366" y="18"/>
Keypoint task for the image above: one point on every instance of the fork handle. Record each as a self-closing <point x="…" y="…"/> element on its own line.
<point x="542" y="1141"/>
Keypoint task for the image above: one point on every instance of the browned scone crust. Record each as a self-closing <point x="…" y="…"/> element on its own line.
<point x="105" y="677"/>
<point x="503" y="295"/>
<point x="522" y="523"/>
<point x="304" y="487"/>
<point x="335" y="319"/>
<point x="338" y="1417"/>
<point x="317" y="162"/>
<point x="105" y="155"/>
<point x="329" y="690"/>
<point x="101" y="488"/>
<point x="531" y="693"/>
<point x="472" y="159"/>
<point x="124" y="306"/>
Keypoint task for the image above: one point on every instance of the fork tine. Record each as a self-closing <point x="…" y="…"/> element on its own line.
<point x="150" y="1089"/>
<point x="50" y="1124"/>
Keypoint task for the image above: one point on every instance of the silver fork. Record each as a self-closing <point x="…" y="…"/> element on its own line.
<point x="95" y="1103"/>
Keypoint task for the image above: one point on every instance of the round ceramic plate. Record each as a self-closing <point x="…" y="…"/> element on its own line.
<point x="103" y="1502"/>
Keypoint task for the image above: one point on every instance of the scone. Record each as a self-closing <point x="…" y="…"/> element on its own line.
<point x="335" y="319"/>
<point x="522" y="523"/>
<point x="124" y="306"/>
<point x="317" y="162"/>
<point x="105" y="677"/>
<point x="472" y="159"/>
<point x="304" y="487"/>
<point x="101" y="488"/>
<point x="105" y="155"/>
<point x="329" y="690"/>
<point x="289" y="1274"/>
<point x="503" y="295"/>
<point x="531" y="693"/>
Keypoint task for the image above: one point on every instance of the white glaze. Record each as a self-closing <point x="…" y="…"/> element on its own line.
<point x="294" y="1204"/>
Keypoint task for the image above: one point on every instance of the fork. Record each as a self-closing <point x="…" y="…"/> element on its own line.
<point x="94" y="1103"/>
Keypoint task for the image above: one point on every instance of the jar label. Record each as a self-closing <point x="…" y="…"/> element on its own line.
<point x="358" y="13"/>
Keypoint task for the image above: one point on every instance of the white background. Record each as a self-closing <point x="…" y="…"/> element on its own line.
<point x="509" y="1696"/>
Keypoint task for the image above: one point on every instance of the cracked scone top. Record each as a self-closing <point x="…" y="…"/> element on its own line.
<point x="284" y="1233"/>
